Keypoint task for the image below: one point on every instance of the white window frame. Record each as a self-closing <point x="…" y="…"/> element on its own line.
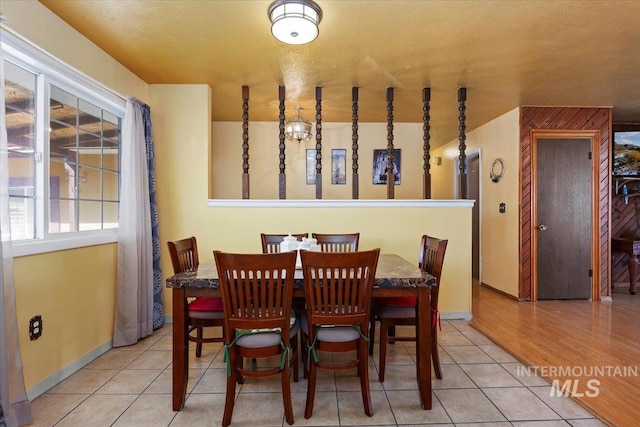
<point x="54" y="71"/>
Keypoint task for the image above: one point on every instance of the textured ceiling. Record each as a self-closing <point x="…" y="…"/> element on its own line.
<point x="506" y="53"/>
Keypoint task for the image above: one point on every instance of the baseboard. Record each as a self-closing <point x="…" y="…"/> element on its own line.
<point x="499" y="291"/>
<point x="168" y="318"/>
<point x="456" y="315"/>
<point x="64" y="373"/>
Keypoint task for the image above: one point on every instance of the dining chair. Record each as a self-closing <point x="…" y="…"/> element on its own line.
<point x="203" y="311"/>
<point x="257" y="290"/>
<point x="271" y="242"/>
<point x="396" y="311"/>
<point x="338" y="289"/>
<point x="337" y="242"/>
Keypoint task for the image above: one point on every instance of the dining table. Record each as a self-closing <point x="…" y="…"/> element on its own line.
<point x="395" y="277"/>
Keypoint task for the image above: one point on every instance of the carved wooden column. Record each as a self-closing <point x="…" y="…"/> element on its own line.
<point x="426" y="138"/>
<point x="282" y="179"/>
<point x="318" y="142"/>
<point x="245" y="142"/>
<point x="391" y="179"/>
<point x="462" y="176"/>
<point x="355" y="193"/>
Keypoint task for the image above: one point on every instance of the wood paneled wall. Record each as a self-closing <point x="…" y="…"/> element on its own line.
<point x="563" y="118"/>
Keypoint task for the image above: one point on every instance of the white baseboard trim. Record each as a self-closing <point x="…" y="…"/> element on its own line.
<point x="64" y="373"/>
<point x="456" y="315"/>
<point x="168" y="318"/>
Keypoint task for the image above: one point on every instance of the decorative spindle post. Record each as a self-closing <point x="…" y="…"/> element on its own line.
<point x="426" y="138"/>
<point x="318" y="142"/>
<point x="282" y="179"/>
<point x="355" y="194"/>
<point x="245" y="142"/>
<point x="462" y="176"/>
<point x="391" y="179"/>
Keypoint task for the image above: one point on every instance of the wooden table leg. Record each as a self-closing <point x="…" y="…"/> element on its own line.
<point x="423" y="347"/>
<point x="633" y="262"/>
<point x="180" y="349"/>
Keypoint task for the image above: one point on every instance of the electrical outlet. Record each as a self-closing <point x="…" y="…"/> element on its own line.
<point x="35" y="327"/>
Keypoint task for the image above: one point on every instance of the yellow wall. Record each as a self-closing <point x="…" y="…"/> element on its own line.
<point x="499" y="232"/>
<point x="264" y="160"/>
<point x="73" y="290"/>
<point x="393" y="230"/>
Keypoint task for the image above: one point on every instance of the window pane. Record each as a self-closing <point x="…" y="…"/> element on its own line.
<point x="21" y="211"/>
<point x="110" y="214"/>
<point x="110" y="186"/>
<point x="63" y="107"/>
<point x="111" y="156"/>
<point x="90" y="215"/>
<point x="89" y="181"/>
<point x="111" y="126"/>
<point x="63" y="141"/>
<point x="89" y="117"/>
<point x="20" y="100"/>
<point x="62" y="216"/>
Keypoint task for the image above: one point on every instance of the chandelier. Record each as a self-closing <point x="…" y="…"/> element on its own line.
<point x="298" y="129"/>
<point x="295" y="21"/>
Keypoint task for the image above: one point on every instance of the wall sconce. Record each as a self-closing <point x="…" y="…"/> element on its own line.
<point x="497" y="170"/>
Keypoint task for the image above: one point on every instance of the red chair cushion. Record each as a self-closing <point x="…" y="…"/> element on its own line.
<point x="398" y="301"/>
<point x="206" y="304"/>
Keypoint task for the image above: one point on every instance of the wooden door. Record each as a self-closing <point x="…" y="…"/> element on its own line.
<point x="563" y="218"/>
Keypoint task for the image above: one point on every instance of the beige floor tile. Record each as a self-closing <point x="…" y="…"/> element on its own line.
<point x="350" y="381"/>
<point x="489" y="375"/>
<point x="460" y="324"/>
<point x="528" y="378"/>
<point x="263" y="409"/>
<point x="498" y="354"/>
<point x="553" y="423"/>
<point x="201" y="410"/>
<point x="214" y="380"/>
<point x="564" y="406"/>
<point x="48" y="409"/>
<point x="164" y="383"/>
<point x="130" y="381"/>
<point x="325" y="409"/>
<point x="452" y="377"/>
<point x="147" y="411"/>
<point x="468" y="405"/>
<point x="85" y="381"/>
<point x="351" y="409"/>
<point x="407" y="409"/>
<point x="400" y="377"/>
<point x="453" y="338"/>
<point x="466" y="354"/>
<point x="205" y="360"/>
<point x="152" y="360"/>
<point x="520" y="404"/>
<point x="477" y="338"/>
<point x="98" y="411"/>
<point x="114" y="359"/>
<point x="325" y="382"/>
<point x="397" y="354"/>
<point x="144" y="343"/>
<point x="164" y="343"/>
<point x="587" y="423"/>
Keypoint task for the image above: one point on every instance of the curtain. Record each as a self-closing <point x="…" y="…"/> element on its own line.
<point x="138" y="249"/>
<point x="15" y="409"/>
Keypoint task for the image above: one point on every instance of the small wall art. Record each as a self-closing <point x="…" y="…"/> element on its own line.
<point x="380" y="162"/>
<point x="311" y="167"/>
<point x="338" y="166"/>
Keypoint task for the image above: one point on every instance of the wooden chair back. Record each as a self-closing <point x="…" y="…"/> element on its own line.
<point x="184" y="254"/>
<point x="337" y="242"/>
<point x="257" y="291"/>
<point x="338" y="286"/>
<point x="271" y="242"/>
<point x="431" y="257"/>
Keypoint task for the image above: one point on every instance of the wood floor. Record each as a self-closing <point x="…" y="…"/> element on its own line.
<point x="582" y="337"/>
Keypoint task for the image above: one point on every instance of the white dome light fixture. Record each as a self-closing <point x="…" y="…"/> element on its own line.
<point x="295" y="21"/>
<point x="298" y="129"/>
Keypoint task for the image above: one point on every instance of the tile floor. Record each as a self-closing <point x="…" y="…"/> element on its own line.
<point x="132" y="387"/>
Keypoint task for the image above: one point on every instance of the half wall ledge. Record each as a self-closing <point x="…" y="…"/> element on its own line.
<point x="325" y="203"/>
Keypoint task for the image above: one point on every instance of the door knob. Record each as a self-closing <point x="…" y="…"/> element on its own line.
<point x="542" y="227"/>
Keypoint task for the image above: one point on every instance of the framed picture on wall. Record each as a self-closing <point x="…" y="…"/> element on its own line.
<point x="626" y="153"/>
<point x="311" y="167"/>
<point x="380" y="163"/>
<point x="338" y="166"/>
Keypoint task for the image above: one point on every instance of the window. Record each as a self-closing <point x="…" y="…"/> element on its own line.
<point x="64" y="140"/>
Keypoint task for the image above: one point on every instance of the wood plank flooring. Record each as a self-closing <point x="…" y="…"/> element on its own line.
<point x="577" y="336"/>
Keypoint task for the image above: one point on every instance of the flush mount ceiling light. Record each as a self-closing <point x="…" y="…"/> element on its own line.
<point x="298" y="129"/>
<point x="295" y="21"/>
